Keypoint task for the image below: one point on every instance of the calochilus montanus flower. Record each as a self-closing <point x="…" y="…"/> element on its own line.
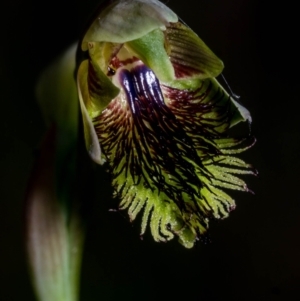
<point x="155" y="114"/>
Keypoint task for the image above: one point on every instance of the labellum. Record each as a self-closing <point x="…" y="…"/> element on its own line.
<point x="154" y="112"/>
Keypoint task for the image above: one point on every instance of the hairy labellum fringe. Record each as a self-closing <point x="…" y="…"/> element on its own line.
<point x="167" y="154"/>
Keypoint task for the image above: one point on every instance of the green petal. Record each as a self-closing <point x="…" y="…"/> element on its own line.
<point x="95" y="91"/>
<point x="123" y="21"/>
<point x="90" y="136"/>
<point x="189" y="54"/>
<point x="95" y="84"/>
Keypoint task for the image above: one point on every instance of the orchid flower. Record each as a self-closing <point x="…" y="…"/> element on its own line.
<point x="155" y="114"/>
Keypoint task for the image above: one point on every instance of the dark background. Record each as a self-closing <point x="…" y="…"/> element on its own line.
<point x="254" y="254"/>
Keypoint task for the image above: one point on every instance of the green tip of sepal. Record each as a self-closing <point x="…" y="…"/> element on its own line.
<point x="240" y="114"/>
